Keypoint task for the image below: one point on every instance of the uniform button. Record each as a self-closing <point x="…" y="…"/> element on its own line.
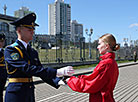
<point x="30" y="86"/>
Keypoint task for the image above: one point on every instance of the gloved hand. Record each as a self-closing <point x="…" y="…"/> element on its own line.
<point x="64" y="81"/>
<point x="61" y="82"/>
<point x="67" y="80"/>
<point x="65" y="71"/>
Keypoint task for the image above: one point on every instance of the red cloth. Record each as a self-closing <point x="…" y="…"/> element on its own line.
<point x="101" y="83"/>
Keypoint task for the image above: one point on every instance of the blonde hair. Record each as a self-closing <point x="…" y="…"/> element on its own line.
<point x="110" y="39"/>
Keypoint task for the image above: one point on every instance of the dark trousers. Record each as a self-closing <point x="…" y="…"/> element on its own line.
<point x="19" y="94"/>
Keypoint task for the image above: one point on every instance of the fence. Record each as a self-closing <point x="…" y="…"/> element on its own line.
<point x="79" y="53"/>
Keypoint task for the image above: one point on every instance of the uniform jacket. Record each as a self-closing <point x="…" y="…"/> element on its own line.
<point x="3" y="74"/>
<point x="2" y="61"/>
<point x="26" y="65"/>
<point x="2" y="64"/>
<point x="101" y="83"/>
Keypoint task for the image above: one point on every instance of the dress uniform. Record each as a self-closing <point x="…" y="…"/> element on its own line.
<point x="22" y="63"/>
<point x="3" y="73"/>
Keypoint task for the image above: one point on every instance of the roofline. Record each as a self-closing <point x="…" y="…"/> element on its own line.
<point x="6" y="17"/>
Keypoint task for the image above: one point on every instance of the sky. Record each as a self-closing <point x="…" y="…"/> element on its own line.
<point x="118" y="17"/>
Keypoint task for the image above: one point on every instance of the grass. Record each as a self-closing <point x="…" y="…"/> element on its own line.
<point x="125" y="61"/>
<point x="84" y="66"/>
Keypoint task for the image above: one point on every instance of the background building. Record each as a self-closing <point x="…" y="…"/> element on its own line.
<point x="6" y="28"/>
<point x="76" y="31"/>
<point x="59" y="17"/>
<point x="22" y="12"/>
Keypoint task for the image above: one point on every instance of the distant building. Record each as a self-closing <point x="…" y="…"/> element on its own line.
<point x="76" y="31"/>
<point x="42" y="41"/>
<point x="59" y="17"/>
<point x="22" y="12"/>
<point x="7" y="28"/>
<point x="11" y="35"/>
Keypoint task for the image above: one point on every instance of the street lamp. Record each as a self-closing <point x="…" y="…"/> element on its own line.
<point x="61" y="37"/>
<point x="58" y="48"/>
<point x="89" y="34"/>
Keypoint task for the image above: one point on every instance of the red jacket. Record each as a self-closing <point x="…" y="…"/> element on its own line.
<point x="101" y="83"/>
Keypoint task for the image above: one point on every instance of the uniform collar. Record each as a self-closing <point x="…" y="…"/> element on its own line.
<point x="108" y="55"/>
<point x="24" y="43"/>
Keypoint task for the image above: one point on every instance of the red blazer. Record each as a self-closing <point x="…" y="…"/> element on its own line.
<point x="101" y="83"/>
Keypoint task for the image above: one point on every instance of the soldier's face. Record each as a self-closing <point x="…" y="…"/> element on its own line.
<point x="2" y="43"/>
<point x="26" y="34"/>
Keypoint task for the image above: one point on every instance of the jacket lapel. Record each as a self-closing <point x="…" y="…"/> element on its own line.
<point x="23" y="49"/>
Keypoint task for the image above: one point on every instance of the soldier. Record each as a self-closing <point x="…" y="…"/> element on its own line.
<point x="3" y="73"/>
<point x="22" y="64"/>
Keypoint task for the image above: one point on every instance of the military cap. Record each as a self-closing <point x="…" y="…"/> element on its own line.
<point x="2" y="36"/>
<point x="26" y="21"/>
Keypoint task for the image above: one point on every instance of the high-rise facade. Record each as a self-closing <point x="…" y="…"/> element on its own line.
<point x="76" y="31"/>
<point x="59" y="17"/>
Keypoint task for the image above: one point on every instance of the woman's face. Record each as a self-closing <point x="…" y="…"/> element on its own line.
<point x="102" y="47"/>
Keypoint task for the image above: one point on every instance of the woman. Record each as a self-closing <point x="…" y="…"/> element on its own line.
<point x="101" y="83"/>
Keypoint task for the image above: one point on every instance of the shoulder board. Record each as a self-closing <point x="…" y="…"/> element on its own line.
<point x="17" y="48"/>
<point x="14" y="44"/>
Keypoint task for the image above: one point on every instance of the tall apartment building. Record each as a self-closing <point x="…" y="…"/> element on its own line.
<point x="22" y="12"/>
<point x="59" y="17"/>
<point x="76" y="31"/>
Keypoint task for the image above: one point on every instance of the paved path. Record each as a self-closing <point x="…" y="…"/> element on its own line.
<point x="127" y="86"/>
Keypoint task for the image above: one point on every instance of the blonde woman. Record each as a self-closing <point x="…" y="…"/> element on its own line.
<point x="101" y="83"/>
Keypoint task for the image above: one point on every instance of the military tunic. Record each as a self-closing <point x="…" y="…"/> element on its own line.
<point x="3" y="74"/>
<point x="21" y="65"/>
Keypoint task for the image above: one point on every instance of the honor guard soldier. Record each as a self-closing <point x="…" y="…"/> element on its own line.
<point x="22" y="63"/>
<point x="3" y="73"/>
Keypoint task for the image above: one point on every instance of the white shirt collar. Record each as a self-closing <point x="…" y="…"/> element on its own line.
<point x="24" y="43"/>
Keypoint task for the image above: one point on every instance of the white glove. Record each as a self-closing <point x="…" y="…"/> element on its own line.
<point x="65" y="71"/>
<point x="67" y="80"/>
<point x="61" y="82"/>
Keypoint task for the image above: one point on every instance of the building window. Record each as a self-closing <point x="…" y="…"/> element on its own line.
<point x="4" y="27"/>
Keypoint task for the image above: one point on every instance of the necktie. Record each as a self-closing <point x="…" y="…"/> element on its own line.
<point x="2" y="50"/>
<point x="28" y="49"/>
